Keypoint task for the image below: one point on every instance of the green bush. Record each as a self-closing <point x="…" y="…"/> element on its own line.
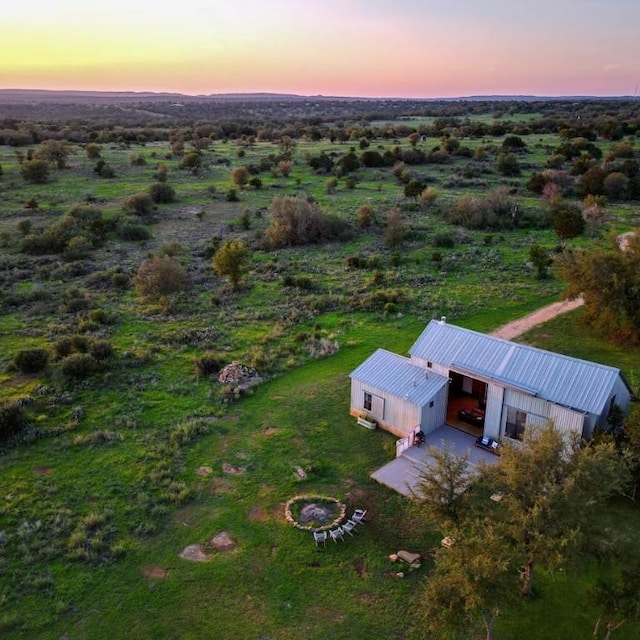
<point x="13" y="419"/>
<point x="79" y="366"/>
<point x="160" y="276"/>
<point x="35" y="171"/>
<point x="31" y="360"/>
<point x="133" y="232"/>
<point x="444" y="240"/>
<point x="296" y="222"/>
<point x="139" y="204"/>
<point x="162" y="193"/>
<point x="101" y="350"/>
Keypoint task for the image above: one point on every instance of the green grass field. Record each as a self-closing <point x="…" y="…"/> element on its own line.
<point x="98" y="506"/>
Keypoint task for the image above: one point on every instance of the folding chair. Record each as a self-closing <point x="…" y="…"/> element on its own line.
<point x="337" y="534"/>
<point x="320" y="538"/>
<point x="358" y="516"/>
<point x="349" y="526"/>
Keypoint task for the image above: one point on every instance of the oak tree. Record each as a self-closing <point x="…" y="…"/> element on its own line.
<point x="231" y="261"/>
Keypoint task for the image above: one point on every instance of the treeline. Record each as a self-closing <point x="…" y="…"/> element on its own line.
<point x="309" y="119"/>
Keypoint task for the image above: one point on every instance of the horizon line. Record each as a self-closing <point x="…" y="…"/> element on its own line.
<point x="316" y="95"/>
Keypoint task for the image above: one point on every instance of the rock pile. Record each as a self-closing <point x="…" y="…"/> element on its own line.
<point x="237" y="374"/>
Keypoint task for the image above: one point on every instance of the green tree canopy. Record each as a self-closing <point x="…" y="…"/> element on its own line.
<point x="568" y="222"/>
<point x="231" y="261"/>
<point x="53" y="151"/>
<point x="609" y="282"/>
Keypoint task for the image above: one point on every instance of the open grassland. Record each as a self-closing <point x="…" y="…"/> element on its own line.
<point x="105" y="492"/>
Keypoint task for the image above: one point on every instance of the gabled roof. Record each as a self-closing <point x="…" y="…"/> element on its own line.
<point x="396" y="375"/>
<point x="570" y="382"/>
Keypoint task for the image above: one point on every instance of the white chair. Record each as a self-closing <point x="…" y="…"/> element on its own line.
<point x="337" y="534"/>
<point x="358" y="516"/>
<point x="320" y="538"/>
<point x="349" y="526"/>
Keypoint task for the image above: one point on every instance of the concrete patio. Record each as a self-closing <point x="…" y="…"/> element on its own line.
<point x="402" y="474"/>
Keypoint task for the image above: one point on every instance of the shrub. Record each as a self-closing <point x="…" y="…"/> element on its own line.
<point x="394" y="231"/>
<point x="136" y="160"/>
<point x="92" y="150"/>
<point x="78" y="366"/>
<point x="296" y="221"/>
<point x="101" y="350"/>
<point x="162" y="193"/>
<point x="161" y="172"/>
<point x="492" y="211"/>
<point x="13" y="419"/>
<point x="106" y="171"/>
<point x="120" y="280"/>
<point x="365" y="216"/>
<point x="31" y="360"/>
<point x="428" y="197"/>
<point x="35" y="171"/>
<point x="74" y="300"/>
<point x="80" y="221"/>
<point x="160" y="276"/>
<point x="139" y="204"/>
<point x="444" y="240"/>
<point x="70" y="344"/>
<point x="133" y="232"/>
<point x="508" y="164"/>
<point x="240" y="175"/>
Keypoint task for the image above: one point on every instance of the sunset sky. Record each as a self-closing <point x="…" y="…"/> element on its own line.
<point x="367" y="48"/>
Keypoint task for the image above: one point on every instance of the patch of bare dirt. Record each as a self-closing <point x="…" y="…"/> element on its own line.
<point x="522" y="325"/>
<point x="204" y="471"/>
<point x="269" y="431"/>
<point x="257" y="513"/>
<point x="360" y="567"/>
<point x="221" y="486"/>
<point x="43" y="471"/>
<point x="227" y="467"/>
<point x="155" y="573"/>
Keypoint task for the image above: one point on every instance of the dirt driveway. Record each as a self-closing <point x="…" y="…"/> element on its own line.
<point x="520" y="326"/>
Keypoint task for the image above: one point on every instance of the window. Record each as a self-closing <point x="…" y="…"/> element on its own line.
<point x="516" y="421"/>
<point x="430" y="365"/>
<point x="368" y="401"/>
<point x="431" y="404"/>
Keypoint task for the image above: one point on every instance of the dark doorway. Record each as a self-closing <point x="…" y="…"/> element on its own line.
<point x="467" y="402"/>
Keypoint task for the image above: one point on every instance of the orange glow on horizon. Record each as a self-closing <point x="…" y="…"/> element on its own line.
<point x="407" y="48"/>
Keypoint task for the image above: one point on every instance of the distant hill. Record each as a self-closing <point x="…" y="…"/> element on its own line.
<point x="101" y="97"/>
<point x="26" y="96"/>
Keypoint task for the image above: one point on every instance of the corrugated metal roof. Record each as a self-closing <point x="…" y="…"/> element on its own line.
<point x="567" y="381"/>
<point x="397" y="375"/>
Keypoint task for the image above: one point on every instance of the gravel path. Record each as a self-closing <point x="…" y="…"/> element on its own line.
<point x="518" y="327"/>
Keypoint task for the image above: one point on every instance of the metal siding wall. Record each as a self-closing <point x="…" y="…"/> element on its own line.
<point x="493" y="412"/>
<point x="622" y="394"/>
<point x="567" y="420"/>
<point x="564" y="419"/>
<point x="402" y="415"/>
<point x="436" y="416"/>
<point x="436" y="368"/>
<point x="526" y="403"/>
